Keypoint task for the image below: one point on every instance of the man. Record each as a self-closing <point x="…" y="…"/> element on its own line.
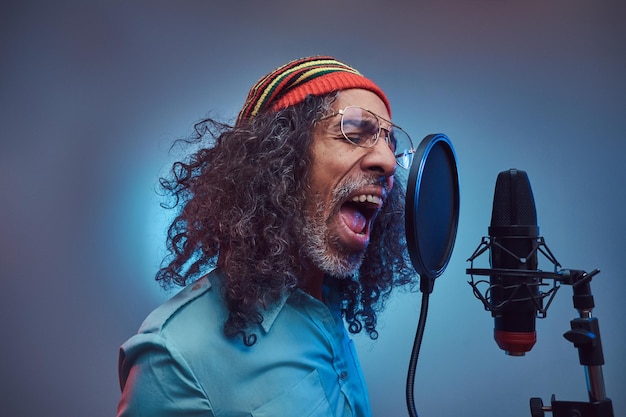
<point x="296" y="214"/>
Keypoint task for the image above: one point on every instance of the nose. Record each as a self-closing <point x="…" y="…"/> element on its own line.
<point x="380" y="159"/>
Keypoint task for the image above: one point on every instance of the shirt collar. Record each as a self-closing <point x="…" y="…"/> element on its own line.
<point x="269" y="315"/>
<point x="331" y="300"/>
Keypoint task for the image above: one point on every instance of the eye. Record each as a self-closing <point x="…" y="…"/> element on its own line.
<point x="360" y="131"/>
<point x="390" y="137"/>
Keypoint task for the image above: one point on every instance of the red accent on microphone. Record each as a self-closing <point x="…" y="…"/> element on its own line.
<point x="515" y="343"/>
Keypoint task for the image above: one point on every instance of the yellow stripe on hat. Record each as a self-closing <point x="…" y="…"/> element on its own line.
<point x="319" y="67"/>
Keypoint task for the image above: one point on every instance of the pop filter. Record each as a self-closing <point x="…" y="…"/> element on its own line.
<point x="432" y="216"/>
<point x="432" y="208"/>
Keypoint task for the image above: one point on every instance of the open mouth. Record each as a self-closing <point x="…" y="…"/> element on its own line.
<point x="359" y="211"/>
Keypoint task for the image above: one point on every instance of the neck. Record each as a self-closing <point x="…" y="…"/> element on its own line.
<point x="312" y="281"/>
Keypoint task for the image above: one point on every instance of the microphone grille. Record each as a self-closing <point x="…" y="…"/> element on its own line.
<point x="513" y="200"/>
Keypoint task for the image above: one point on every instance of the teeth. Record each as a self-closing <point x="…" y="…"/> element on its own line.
<point x="367" y="197"/>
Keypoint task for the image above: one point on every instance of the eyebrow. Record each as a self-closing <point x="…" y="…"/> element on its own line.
<point x="365" y="124"/>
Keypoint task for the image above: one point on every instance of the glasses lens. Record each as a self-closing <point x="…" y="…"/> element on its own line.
<point x="402" y="147"/>
<point x="359" y="126"/>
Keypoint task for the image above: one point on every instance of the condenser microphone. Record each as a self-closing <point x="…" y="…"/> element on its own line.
<point x="514" y="240"/>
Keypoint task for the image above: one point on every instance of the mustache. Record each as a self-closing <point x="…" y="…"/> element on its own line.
<point x="350" y="185"/>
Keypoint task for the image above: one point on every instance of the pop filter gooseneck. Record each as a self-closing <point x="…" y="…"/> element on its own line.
<point x="431" y="216"/>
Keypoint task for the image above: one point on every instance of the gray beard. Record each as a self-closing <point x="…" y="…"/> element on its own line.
<point x="327" y="253"/>
<point x="323" y="249"/>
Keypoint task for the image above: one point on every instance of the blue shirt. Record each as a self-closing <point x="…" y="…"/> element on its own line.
<point x="180" y="363"/>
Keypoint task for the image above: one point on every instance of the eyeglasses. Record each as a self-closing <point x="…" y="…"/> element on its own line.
<point x="362" y="128"/>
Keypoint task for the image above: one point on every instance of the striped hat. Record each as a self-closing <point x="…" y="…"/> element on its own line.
<point x="289" y="85"/>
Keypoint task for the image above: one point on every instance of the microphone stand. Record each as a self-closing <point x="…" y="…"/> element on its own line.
<point x="585" y="335"/>
<point x="584" y="332"/>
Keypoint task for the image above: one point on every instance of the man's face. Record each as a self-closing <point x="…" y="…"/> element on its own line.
<point x="347" y="188"/>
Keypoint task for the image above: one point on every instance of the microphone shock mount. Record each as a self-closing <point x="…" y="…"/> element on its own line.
<point x="584" y="331"/>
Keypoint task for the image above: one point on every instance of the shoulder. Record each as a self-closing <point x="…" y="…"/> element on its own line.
<point x="175" y="335"/>
<point x="150" y="363"/>
<point x="176" y="311"/>
<point x="191" y="322"/>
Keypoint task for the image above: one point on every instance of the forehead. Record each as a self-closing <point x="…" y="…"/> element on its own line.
<point x="361" y="98"/>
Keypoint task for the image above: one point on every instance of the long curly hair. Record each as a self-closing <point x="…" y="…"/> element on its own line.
<point x="236" y="197"/>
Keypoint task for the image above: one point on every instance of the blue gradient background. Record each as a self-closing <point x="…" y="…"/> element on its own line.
<point x="92" y="94"/>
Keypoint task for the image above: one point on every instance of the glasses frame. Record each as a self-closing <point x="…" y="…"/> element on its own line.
<point x="388" y="129"/>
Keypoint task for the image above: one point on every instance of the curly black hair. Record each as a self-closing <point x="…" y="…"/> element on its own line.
<point x="236" y="198"/>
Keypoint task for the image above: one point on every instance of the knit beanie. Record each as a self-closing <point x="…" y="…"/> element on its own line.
<point x="289" y="85"/>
